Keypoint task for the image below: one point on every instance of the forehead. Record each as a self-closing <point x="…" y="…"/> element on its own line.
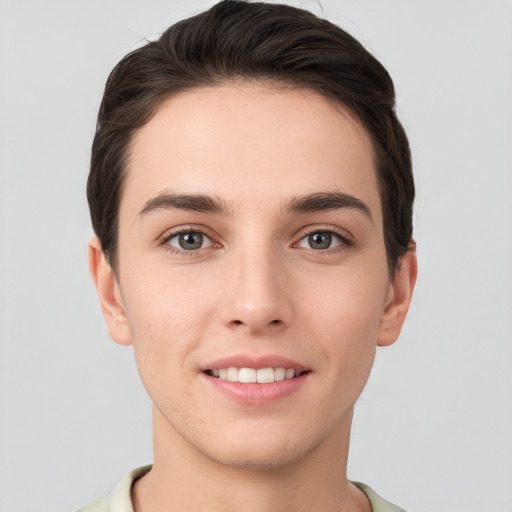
<point x="243" y="141"/>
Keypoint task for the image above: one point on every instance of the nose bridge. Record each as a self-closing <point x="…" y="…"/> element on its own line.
<point x="258" y="296"/>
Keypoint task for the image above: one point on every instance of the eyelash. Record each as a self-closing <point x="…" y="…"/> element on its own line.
<point x="346" y="241"/>
<point x="181" y="231"/>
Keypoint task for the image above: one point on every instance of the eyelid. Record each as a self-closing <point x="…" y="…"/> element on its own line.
<point x="188" y="228"/>
<point x="346" y="237"/>
<point x="206" y="241"/>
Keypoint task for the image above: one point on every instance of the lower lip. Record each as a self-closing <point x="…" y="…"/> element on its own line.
<point x="258" y="394"/>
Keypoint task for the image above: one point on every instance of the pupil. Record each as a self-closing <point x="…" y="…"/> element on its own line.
<point x="191" y="240"/>
<point x="320" y="240"/>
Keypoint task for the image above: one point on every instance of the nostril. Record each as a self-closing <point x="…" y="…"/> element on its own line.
<point x="255" y="323"/>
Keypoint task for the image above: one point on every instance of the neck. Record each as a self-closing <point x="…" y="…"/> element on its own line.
<point x="183" y="478"/>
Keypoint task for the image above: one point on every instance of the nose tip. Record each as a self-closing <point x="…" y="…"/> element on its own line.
<point x="258" y="300"/>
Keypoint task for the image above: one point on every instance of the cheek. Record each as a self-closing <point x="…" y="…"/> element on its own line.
<point x="344" y="316"/>
<point x="168" y="316"/>
<point x="351" y="300"/>
<point x="167" y="297"/>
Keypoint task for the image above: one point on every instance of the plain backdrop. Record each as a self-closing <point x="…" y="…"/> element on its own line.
<point x="433" y="429"/>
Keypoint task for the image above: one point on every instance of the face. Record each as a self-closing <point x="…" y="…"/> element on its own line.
<point x="251" y="248"/>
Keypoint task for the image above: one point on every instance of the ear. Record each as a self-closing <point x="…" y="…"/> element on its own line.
<point x="109" y="294"/>
<point x="398" y="299"/>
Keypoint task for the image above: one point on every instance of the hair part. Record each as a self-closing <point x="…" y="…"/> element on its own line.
<point x="272" y="43"/>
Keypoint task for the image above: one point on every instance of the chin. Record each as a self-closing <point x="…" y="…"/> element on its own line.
<point x="262" y="453"/>
<point x="258" y="460"/>
<point x="251" y="443"/>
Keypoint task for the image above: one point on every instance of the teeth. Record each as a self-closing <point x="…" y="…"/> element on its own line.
<point x="251" y="375"/>
<point x="232" y="374"/>
<point x="279" y="374"/>
<point x="265" y="375"/>
<point x="247" y="375"/>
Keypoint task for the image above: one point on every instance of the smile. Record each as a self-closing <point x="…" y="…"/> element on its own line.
<point x="254" y="376"/>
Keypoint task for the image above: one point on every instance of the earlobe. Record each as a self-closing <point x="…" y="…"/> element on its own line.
<point x="109" y="294"/>
<point x="399" y="299"/>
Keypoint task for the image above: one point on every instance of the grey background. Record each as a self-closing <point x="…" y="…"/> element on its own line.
<point x="433" y="429"/>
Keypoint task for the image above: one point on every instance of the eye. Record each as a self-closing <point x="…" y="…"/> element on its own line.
<point x="189" y="241"/>
<point x="322" y="240"/>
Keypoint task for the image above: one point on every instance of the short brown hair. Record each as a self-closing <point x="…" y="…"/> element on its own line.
<point x="256" y="41"/>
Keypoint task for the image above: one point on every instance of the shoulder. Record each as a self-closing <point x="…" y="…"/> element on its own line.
<point x="100" y="505"/>
<point x="378" y="503"/>
<point x="119" y="500"/>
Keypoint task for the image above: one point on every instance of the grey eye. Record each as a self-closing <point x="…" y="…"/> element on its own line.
<point x="320" y="240"/>
<point x="189" y="241"/>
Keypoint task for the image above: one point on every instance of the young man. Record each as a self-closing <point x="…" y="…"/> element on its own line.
<point x="251" y="192"/>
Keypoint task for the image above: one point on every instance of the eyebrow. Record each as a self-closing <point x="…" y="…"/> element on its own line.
<point x="190" y="202"/>
<point x="325" y="201"/>
<point x="317" y="202"/>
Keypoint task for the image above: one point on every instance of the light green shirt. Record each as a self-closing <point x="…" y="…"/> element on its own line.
<point x="119" y="499"/>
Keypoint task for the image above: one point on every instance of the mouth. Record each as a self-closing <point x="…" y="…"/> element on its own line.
<point x="246" y="375"/>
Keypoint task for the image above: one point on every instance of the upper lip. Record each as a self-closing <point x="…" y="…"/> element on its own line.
<point x="256" y="362"/>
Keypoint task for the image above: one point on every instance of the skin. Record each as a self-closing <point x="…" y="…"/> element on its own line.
<point x="255" y="287"/>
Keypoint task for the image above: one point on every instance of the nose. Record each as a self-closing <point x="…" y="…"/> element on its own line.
<point x="258" y="296"/>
